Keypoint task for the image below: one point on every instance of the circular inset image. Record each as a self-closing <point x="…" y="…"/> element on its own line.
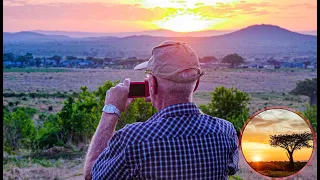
<point x="277" y="142"/>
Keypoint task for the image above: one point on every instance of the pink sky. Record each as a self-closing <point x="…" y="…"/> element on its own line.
<point x="140" y="15"/>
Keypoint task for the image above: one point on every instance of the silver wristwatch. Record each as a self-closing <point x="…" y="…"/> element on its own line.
<point x="111" y="109"/>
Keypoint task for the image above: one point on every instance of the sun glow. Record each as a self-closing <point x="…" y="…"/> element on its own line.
<point x="187" y="22"/>
<point x="178" y="4"/>
<point x="257" y="158"/>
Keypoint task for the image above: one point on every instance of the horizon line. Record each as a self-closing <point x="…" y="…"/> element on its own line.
<point x="161" y="29"/>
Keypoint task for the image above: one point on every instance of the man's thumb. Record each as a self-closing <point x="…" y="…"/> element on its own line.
<point x="126" y="82"/>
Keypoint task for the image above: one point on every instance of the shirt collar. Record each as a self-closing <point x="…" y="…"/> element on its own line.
<point x="177" y="110"/>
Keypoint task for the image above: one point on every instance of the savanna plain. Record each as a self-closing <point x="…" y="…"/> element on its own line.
<point x="265" y="87"/>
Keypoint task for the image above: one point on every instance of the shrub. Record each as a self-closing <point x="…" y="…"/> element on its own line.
<point x="311" y="114"/>
<point x="9" y="94"/>
<point x="21" y="95"/>
<point x="49" y="134"/>
<point x="32" y="95"/>
<point x="18" y="128"/>
<point x="229" y="104"/>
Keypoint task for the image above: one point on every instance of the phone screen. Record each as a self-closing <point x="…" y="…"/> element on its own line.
<point x="137" y="90"/>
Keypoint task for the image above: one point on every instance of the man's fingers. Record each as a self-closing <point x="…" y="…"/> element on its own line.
<point x="147" y="99"/>
<point x="130" y="100"/>
<point x="120" y="84"/>
<point x="126" y="82"/>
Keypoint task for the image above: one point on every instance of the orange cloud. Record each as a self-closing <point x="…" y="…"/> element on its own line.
<point x="124" y="15"/>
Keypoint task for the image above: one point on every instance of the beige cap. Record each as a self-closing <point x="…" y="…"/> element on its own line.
<point x="169" y="59"/>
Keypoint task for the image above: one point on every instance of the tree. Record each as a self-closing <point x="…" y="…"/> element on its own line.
<point x="306" y="63"/>
<point x="38" y="61"/>
<point x="71" y="58"/>
<point x="18" y="128"/>
<point x="21" y="59"/>
<point x="8" y="57"/>
<point x="98" y="61"/>
<point x="56" y="58"/>
<point x="229" y="104"/>
<point x="291" y="142"/>
<point x="311" y="113"/>
<point x="208" y="59"/>
<point x="233" y="59"/>
<point x="89" y="58"/>
<point x="132" y="58"/>
<point x="308" y="87"/>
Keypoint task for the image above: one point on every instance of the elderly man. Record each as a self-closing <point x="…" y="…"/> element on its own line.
<point x="178" y="142"/>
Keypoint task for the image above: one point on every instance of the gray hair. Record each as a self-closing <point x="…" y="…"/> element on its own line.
<point x="172" y="87"/>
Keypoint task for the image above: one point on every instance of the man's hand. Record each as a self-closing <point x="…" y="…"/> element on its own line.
<point x="118" y="95"/>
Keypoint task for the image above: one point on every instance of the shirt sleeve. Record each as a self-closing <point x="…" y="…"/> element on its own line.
<point x="234" y="157"/>
<point x="111" y="163"/>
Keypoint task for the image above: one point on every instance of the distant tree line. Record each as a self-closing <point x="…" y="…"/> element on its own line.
<point x="28" y="60"/>
<point x="70" y="61"/>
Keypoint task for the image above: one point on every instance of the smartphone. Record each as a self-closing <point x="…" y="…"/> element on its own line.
<point x="139" y="89"/>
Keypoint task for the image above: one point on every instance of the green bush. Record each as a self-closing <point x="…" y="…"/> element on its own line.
<point x="18" y="128"/>
<point x="75" y="123"/>
<point x="230" y="104"/>
<point x="49" y="134"/>
<point x="311" y="114"/>
<point x="234" y="177"/>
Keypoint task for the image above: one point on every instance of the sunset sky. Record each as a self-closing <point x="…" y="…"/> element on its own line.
<point x="141" y="15"/>
<point x="256" y="136"/>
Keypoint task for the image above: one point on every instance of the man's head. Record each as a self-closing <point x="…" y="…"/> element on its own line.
<point x="173" y="71"/>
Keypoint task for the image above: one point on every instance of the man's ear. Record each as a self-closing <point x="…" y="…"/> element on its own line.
<point x="153" y="85"/>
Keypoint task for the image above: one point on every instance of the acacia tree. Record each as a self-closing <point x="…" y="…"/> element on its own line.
<point x="56" y="58"/>
<point x="233" y="59"/>
<point x="308" y="88"/>
<point x="291" y="142"/>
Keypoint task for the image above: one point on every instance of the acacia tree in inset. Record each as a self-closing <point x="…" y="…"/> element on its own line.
<point x="291" y="142"/>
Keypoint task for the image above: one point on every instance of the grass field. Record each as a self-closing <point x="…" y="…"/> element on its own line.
<point x="276" y="168"/>
<point x="277" y="173"/>
<point x="34" y="70"/>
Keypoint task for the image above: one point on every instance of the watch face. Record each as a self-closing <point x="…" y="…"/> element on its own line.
<point x="109" y="109"/>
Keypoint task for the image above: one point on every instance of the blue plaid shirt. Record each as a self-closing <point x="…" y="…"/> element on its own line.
<point x="178" y="142"/>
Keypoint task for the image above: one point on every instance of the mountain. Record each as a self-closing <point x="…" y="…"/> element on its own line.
<point x="158" y="33"/>
<point x="254" y="39"/>
<point x="314" y="33"/>
<point x="31" y="36"/>
<point x="72" y="34"/>
<point x="266" y="32"/>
